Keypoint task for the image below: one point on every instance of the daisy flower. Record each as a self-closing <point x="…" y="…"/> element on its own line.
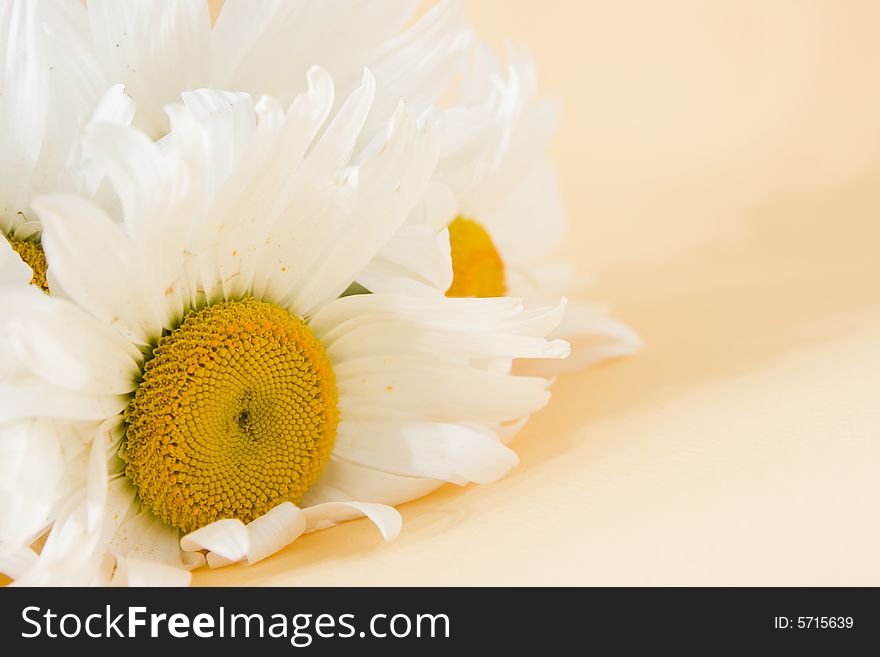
<point x="211" y="396"/>
<point x="495" y="200"/>
<point x="45" y="100"/>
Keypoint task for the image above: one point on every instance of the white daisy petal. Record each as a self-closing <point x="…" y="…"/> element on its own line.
<point x="279" y="210"/>
<point x="26" y="230"/>
<point x="420" y="63"/>
<point x="25" y="104"/>
<point x="336" y="144"/>
<point x="135" y="571"/>
<point x="193" y="560"/>
<point x="122" y="500"/>
<point x="332" y="317"/>
<point x="437" y="390"/>
<point x="114" y="106"/>
<point x="129" y="533"/>
<point x="228" y="120"/>
<point x="16" y="564"/>
<point x="522" y="191"/>
<point x="392" y="182"/>
<point x="134" y="167"/>
<point x="155" y="48"/>
<point x="205" y="102"/>
<point x="159" y="544"/>
<point x="215" y="560"/>
<point x="595" y="338"/>
<point x="337" y="38"/>
<point x="12" y="269"/>
<point x="52" y="87"/>
<point x="27" y="501"/>
<point x="147" y="550"/>
<point x="386" y="518"/>
<point x="41" y="400"/>
<point x="96" y="487"/>
<point x="98" y="267"/>
<point x="450" y="452"/>
<point x="43" y="463"/>
<point x="390" y="337"/>
<point x="415" y="253"/>
<point x="454" y="317"/>
<point x="76" y="71"/>
<point x="227" y="538"/>
<point x="61" y="344"/>
<point x="343" y="480"/>
<point x="229" y="541"/>
<point x="73" y="551"/>
<point x="274" y="530"/>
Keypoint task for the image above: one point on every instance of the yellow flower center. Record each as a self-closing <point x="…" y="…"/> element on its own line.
<point x="236" y="413"/>
<point x="477" y="268"/>
<point x="32" y="255"/>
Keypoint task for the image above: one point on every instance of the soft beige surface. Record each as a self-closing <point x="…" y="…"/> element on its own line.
<point x="720" y="162"/>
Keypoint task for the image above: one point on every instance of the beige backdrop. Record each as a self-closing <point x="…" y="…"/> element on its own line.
<point x="720" y="162"/>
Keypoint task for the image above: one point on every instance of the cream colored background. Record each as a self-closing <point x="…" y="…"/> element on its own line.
<point x="720" y="162"/>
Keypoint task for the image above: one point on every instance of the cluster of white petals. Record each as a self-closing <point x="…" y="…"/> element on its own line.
<point x="304" y="154"/>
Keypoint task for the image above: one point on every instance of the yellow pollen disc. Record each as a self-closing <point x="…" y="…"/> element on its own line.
<point x="32" y="255"/>
<point x="477" y="268"/>
<point x="236" y="413"/>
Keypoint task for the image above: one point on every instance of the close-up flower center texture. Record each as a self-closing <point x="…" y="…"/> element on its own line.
<point x="477" y="267"/>
<point x="32" y="255"/>
<point x="236" y="413"/>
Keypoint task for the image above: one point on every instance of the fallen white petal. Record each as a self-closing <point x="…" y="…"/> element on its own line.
<point x="386" y="518"/>
<point x="274" y="531"/>
<point x="228" y="538"/>
<point x="216" y="561"/>
<point x="192" y="560"/>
